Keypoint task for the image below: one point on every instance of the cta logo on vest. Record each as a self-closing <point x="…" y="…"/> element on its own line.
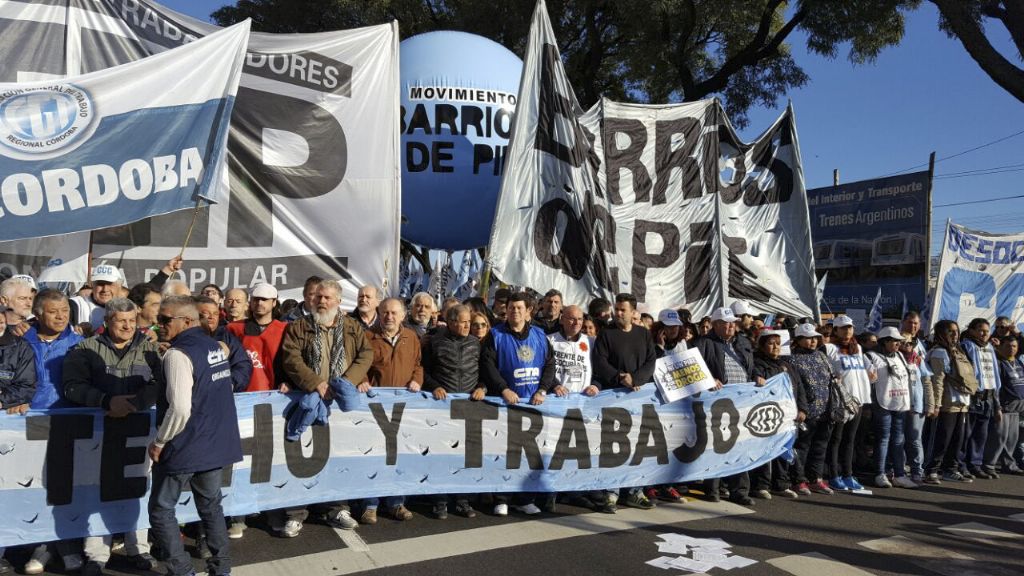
<point x="39" y="123"/>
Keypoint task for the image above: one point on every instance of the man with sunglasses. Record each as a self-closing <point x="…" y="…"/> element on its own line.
<point x="118" y="371"/>
<point x="197" y="436"/>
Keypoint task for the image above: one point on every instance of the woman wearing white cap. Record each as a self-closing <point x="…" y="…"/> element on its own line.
<point x="892" y="402"/>
<point x="816" y="372"/>
<point x="855" y="376"/>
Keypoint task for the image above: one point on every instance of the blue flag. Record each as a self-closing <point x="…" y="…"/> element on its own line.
<point x="875" y="317"/>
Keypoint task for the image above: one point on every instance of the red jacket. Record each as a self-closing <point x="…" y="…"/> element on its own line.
<point x="263" y="348"/>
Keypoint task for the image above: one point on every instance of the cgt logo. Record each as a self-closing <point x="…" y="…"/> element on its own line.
<point x="765" y="419"/>
<point x="42" y="122"/>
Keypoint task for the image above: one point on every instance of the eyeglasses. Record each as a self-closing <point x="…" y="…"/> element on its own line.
<point x="479" y="325"/>
<point x="162" y="320"/>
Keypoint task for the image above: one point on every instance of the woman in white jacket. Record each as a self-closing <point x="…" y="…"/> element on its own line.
<point x="892" y="403"/>
<point x="855" y="376"/>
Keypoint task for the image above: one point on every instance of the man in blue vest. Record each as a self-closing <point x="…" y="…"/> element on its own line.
<point x="197" y="436"/>
<point x="517" y="362"/>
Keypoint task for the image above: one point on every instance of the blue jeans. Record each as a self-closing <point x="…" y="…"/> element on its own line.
<point x="913" y="423"/>
<point x="889" y="436"/>
<point x="206" y="494"/>
<point x="390" y="502"/>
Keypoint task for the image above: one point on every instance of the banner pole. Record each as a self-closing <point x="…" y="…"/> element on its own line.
<point x="188" y="236"/>
<point x="928" y="225"/>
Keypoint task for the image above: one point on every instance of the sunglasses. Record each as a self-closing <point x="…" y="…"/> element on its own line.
<point x="479" y="325"/>
<point x="164" y="320"/>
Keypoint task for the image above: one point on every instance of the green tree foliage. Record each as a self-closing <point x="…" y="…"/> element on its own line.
<point x="637" y="50"/>
<point x="967" y="21"/>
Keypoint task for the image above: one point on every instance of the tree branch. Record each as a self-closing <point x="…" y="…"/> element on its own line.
<point x="969" y="32"/>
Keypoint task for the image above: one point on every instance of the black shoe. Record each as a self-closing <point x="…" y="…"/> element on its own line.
<point x="713" y="496"/>
<point x="441" y="512"/>
<point x="5" y="567"/>
<point x="465" y="510"/>
<point x="967" y="475"/>
<point x="143" y="561"/>
<point x="549" y="504"/>
<point x="992" y="473"/>
<point x="582" y="502"/>
<point x="980" y="474"/>
<point x="92" y="568"/>
<point x="202" y="549"/>
<point x="742" y="500"/>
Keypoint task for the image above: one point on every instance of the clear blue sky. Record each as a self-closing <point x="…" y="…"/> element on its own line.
<point x="873" y="120"/>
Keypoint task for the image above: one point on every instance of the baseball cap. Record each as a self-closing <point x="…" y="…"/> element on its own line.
<point x="890" y="332"/>
<point x="264" y="291"/>
<point x="724" y="314"/>
<point x="27" y="280"/>
<point x="106" y="273"/>
<point x="766" y="333"/>
<point x="669" y="317"/>
<point x="805" y="331"/>
<point x="841" y="321"/>
<point x="740" y="307"/>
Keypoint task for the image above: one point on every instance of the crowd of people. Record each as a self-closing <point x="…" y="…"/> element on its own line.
<point x="902" y="407"/>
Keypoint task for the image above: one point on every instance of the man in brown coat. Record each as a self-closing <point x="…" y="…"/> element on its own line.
<point x="323" y="346"/>
<point x="396" y="364"/>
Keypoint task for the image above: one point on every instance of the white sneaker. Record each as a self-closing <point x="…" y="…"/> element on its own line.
<point x="40" y="558"/>
<point x="291" y="529"/>
<point x="501" y="509"/>
<point x="904" y="482"/>
<point x="236" y="530"/>
<point x="882" y="481"/>
<point x="529" y="509"/>
<point x="343" y="519"/>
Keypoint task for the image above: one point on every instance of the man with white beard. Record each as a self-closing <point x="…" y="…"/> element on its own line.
<point x="323" y="353"/>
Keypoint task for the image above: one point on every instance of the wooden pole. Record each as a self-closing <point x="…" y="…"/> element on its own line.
<point x="188" y="236"/>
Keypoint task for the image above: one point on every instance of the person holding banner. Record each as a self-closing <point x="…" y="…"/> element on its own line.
<point x="572" y="349"/>
<point x="451" y="365"/>
<point x="952" y="384"/>
<point x="768" y="362"/>
<point x="118" y="371"/>
<point x="397" y="363"/>
<point x="815" y="370"/>
<point x="668" y="332"/>
<point x="421" y="314"/>
<point x="517" y="363"/>
<point x="624" y="356"/>
<point x="984" y="405"/>
<point x="730" y="361"/>
<point x="855" y="376"/>
<point x="197" y="436"/>
<point x="324" y="352"/>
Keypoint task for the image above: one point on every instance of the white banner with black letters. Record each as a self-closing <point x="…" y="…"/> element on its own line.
<point x="981" y="275"/>
<point x="313" y="150"/>
<point x="663" y="201"/>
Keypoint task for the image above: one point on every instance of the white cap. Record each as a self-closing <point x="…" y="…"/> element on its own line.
<point x="264" y="291"/>
<point x="724" y="314"/>
<point x="841" y="321"/>
<point x="740" y="307"/>
<point x="782" y="334"/>
<point x="25" y="278"/>
<point x="106" y="273"/>
<point x="669" y="317"/>
<point x="890" y="332"/>
<point x="805" y="331"/>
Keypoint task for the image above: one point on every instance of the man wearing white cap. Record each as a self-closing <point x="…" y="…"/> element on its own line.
<point x="261" y="335"/>
<point x="106" y="285"/>
<point x="730" y="362"/>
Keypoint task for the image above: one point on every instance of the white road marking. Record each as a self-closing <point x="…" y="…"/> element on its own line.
<point x="979" y="530"/>
<point x="359" y="556"/>
<point x="936" y="559"/>
<point x="815" y="564"/>
<point x="903" y="546"/>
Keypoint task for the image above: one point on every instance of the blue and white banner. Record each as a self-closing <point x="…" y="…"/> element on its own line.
<point x="71" y="473"/>
<point x="119" y="145"/>
<point x="981" y="275"/>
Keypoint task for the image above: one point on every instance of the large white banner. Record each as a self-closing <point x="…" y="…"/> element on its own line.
<point x="663" y="201"/>
<point x="313" y="151"/>
<point x="981" y="275"/>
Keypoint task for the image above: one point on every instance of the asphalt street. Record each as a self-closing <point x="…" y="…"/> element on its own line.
<point x="950" y="530"/>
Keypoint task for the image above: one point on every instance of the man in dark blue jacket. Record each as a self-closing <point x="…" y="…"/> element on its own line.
<point x="197" y="436"/>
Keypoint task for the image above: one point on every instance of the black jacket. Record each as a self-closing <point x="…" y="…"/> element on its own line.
<point x="616" y="351"/>
<point x="17" y="371"/>
<point x="765" y="367"/>
<point x="451" y="362"/>
<point x="712" y="349"/>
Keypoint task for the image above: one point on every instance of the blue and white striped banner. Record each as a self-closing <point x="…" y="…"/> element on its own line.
<point x="71" y="473"/>
<point x="118" y="145"/>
